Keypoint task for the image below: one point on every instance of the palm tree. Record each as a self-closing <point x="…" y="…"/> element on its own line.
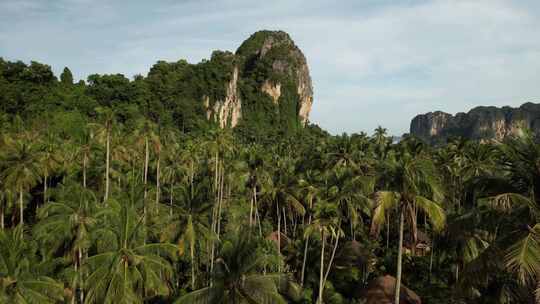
<point x="188" y="224"/>
<point x="67" y="223"/>
<point x="281" y="194"/>
<point x="124" y="268"/>
<point x="238" y="277"/>
<point x="326" y="223"/>
<point x="22" y="277"/>
<point x="49" y="158"/>
<point x="521" y="237"/>
<point x="413" y="185"/>
<point x="22" y="170"/>
<point x="104" y="132"/>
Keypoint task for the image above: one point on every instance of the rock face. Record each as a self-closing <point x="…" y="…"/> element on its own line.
<point x="226" y="112"/>
<point x="381" y="291"/>
<point x="266" y="67"/>
<point x="481" y="123"/>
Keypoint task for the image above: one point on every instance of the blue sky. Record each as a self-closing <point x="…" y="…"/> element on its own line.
<point x="372" y="62"/>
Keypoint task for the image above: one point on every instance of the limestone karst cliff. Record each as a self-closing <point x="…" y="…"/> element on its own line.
<point x="480" y="123"/>
<point x="265" y="84"/>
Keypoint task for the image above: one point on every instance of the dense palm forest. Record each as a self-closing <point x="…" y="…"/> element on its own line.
<point x="102" y="204"/>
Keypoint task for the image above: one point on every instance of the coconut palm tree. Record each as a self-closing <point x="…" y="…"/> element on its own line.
<point x="188" y="224"/>
<point x="66" y="223"/>
<point x="413" y="184"/>
<point x="22" y="275"/>
<point x="49" y="160"/>
<point x="125" y="269"/>
<point x="104" y="131"/>
<point x="282" y="194"/>
<point x="238" y="277"/>
<point x="21" y="168"/>
<point x="326" y="223"/>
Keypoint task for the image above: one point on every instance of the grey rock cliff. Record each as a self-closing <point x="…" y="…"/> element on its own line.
<point x="268" y="62"/>
<point x="480" y="123"/>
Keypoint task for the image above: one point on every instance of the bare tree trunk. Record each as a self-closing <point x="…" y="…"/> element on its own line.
<point x="399" y="261"/>
<point x="84" y="170"/>
<point x="305" y="256"/>
<point x="171" y="200"/>
<point x="145" y="182"/>
<point x="257" y="217"/>
<point x="220" y="202"/>
<point x="146" y="160"/>
<point x="107" y="164"/>
<point x="387" y="231"/>
<point x="331" y="260"/>
<point x="45" y="188"/>
<point x="412" y="213"/>
<point x="251" y="202"/>
<point x="284" y="221"/>
<point x="321" y="273"/>
<point x="192" y="254"/>
<point x="278" y="233"/>
<point x="2" y="224"/>
<point x="21" y="207"/>
<point x="81" y="277"/>
<point x="431" y="260"/>
<point x="157" y="180"/>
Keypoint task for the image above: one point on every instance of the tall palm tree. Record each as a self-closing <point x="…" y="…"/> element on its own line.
<point x="49" y="158"/>
<point x="238" y="277"/>
<point x="188" y="224"/>
<point x="22" y="276"/>
<point x="413" y="185"/>
<point x="282" y="194"/>
<point x="66" y="223"/>
<point x="125" y="269"/>
<point x="326" y="223"/>
<point x="22" y="170"/>
<point x="103" y="133"/>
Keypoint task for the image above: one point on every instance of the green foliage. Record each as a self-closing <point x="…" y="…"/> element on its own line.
<point x="66" y="77"/>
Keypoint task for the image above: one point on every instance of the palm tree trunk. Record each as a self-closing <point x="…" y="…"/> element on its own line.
<point x="284" y="221"/>
<point x="171" y="200"/>
<point x="157" y="180"/>
<point x="413" y="215"/>
<point x="2" y="225"/>
<point x="331" y="260"/>
<point x="305" y="256"/>
<point x="251" y="202"/>
<point x="107" y="166"/>
<point x="84" y="170"/>
<point x="387" y="231"/>
<point x="399" y="261"/>
<point x="21" y="209"/>
<point x="431" y="260"/>
<point x="45" y="188"/>
<point x="146" y="160"/>
<point x="257" y="218"/>
<point x="221" y="191"/>
<point x="192" y="255"/>
<point x="321" y="274"/>
<point x="81" y="276"/>
<point x="145" y="182"/>
<point x="278" y="233"/>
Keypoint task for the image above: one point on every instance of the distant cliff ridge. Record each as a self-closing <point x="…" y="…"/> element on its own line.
<point x="480" y="123"/>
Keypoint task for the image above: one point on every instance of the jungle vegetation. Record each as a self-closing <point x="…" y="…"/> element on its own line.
<point x="108" y="194"/>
